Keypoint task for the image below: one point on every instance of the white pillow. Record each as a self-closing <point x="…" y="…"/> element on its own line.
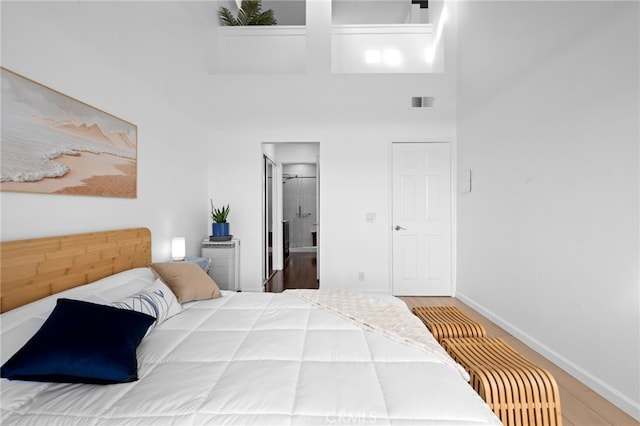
<point x="157" y="300"/>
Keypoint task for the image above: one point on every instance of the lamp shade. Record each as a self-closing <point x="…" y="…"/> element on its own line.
<point x="178" y="248"/>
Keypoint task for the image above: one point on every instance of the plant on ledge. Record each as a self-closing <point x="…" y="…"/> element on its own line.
<point x="220" y="227"/>
<point x="219" y="215"/>
<point x="249" y="13"/>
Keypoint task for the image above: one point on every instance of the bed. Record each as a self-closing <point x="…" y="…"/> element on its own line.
<point x="307" y="357"/>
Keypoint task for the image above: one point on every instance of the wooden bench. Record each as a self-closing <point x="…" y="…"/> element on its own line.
<point x="518" y="391"/>
<point x="448" y="322"/>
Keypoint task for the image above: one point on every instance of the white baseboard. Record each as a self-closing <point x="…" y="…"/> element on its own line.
<point x="259" y="289"/>
<point x="608" y="392"/>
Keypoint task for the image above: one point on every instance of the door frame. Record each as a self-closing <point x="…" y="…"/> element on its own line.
<point x="287" y="152"/>
<point x="454" y="204"/>
<point x="272" y="205"/>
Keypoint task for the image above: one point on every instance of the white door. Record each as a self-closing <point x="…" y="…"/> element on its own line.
<point x="422" y="219"/>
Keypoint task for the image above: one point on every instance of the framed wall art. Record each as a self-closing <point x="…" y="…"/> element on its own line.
<point x="54" y="144"/>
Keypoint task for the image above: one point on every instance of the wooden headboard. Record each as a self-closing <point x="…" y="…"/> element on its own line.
<point x="36" y="268"/>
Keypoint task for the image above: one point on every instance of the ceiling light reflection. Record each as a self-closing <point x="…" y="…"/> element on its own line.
<point x="372" y="56"/>
<point x="392" y="57"/>
<point x="431" y="52"/>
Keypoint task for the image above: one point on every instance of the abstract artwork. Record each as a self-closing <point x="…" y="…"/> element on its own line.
<point x="54" y="144"/>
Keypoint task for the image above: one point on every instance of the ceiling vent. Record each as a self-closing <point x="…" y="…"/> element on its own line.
<point x="422" y="101"/>
<point x="424" y="4"/>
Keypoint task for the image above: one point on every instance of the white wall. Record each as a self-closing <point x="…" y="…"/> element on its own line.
<point x="297" y="152"/>
<point x="354" y="118"/>
<point x="143" y="62"/>
<point x="548" y="241"/>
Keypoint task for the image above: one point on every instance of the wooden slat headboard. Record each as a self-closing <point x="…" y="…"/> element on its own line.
<point x="36" y="268"/>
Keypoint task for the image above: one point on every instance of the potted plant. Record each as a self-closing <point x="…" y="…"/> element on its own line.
<point x="249" y="13"/>
<point x="219" y="227"/>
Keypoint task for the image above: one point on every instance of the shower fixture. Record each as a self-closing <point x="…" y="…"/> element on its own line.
<point x="287" y="176"/>
<point x="300" y="214"/>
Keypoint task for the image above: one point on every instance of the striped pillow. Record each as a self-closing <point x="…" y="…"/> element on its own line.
<point x="157" y="300"/>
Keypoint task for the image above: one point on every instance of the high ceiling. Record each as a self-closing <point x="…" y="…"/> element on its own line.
<point x="345" y="12"/>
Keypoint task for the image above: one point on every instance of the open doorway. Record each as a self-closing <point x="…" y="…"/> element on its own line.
<point x="291" y="215"/>
<point x="299" y="205"/>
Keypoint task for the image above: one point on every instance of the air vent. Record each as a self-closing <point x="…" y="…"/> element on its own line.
<point x="422" y="101"/>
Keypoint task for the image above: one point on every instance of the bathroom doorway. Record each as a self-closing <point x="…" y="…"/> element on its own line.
<point x="299" y="205"/>
<point x="292" y="226"/>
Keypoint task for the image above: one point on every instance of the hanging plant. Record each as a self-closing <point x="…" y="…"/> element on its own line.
<point x="249" y="13"/>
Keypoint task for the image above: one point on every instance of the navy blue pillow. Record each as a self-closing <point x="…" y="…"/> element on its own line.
<point x="82" y="342"/>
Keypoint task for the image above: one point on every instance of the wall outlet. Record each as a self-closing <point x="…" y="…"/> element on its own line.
<point x="371" y="217"/>
<point x="360" y="276"/>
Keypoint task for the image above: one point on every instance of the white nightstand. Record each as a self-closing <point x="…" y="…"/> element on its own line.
<point x="225" y="262"/>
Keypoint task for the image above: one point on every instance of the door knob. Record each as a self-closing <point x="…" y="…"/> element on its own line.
<point x="398" y="227"/>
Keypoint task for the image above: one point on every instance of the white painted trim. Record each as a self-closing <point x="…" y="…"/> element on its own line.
<point x="390" y="215"/>
<point x="263" y="217"/>
<point x="454" y="216"/>
<point x="278" y="256"/>
<point x="253" y="289"/>
<point x="599" y="386"/>
<point x="384" y="29"/>
<point x="263" y="31"/>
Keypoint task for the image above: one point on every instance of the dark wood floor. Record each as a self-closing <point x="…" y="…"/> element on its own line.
<point x="299" y="272"/>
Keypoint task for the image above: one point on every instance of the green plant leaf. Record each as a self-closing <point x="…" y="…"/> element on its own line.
<point x="249" y="13"/>
<point x="219" y="215"/>
<point x="226" y="17"/>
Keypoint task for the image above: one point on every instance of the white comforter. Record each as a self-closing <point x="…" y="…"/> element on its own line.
<point x="247" y="358"/>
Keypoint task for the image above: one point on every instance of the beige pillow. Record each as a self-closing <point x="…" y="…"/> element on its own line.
<point x="187" y="280"/>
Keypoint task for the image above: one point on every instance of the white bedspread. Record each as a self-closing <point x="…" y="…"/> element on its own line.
<point x="392" y="320"/>
<point x="249" y="358"/>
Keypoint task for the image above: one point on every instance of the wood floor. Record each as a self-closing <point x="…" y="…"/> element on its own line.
<point x="299" y="272"/>
<point x="580" y="405"/>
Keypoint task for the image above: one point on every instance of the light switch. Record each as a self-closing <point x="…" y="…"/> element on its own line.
<point x="465" y="181"/>
<point x="371" y="217"/>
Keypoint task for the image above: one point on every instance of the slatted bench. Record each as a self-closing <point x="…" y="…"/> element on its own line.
<point x="518" y="391"/>
<point x="448" y="322"/>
